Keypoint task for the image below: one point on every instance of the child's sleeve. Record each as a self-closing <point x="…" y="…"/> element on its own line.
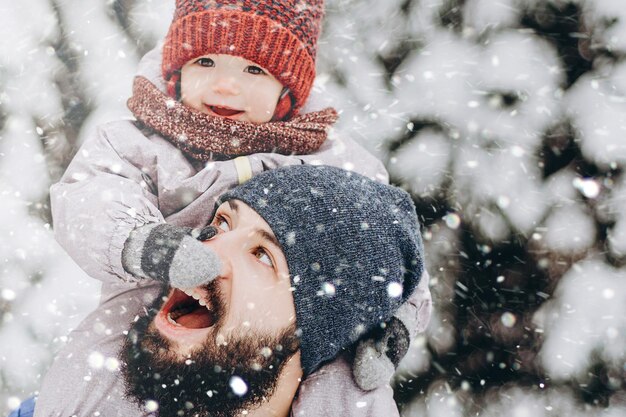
<point x="331" y="391"/>
<point x="345" y="153"/>
<point x="339" y="152"/>
<point x="99" y="200"/>
<point x="110" y="206"/>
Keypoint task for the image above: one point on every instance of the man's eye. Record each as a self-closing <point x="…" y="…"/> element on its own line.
<point x="253" y="69"/>
<point x="205" y="62"/>
<point x="262" y="256"/>
<point x="221" y="223"/>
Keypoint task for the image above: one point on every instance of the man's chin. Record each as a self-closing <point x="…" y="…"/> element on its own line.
<point x="199" y="383"/>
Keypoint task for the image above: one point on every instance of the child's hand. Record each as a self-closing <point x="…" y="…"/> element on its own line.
<point x="171" y="254"/>
<point x="377" y="358"/>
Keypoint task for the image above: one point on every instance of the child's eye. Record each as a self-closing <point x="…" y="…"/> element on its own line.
<point x="262" y="256"/>
<point x="253" y="69"/>
<point x="205" y="62"/>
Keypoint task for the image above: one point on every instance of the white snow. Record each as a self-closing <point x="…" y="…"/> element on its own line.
<point x="422" y="163"/>
<point x="598" y="111"/>
<point x="482" y="15"/>
<point x="608" y="19"/>
<point x="541" y="402"/>
<point x="440" y="401"/>
<point x="587" y="314"/>
<point x="617" y="211"/>
<point x="238" y="386"/>
<point x="569" y="228"/>
<point x="441" y="244"/>
<point x="105" y="55"/>
<point x="42" y="312"/>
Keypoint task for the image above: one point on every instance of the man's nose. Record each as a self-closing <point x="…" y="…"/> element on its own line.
<point x="227" y="267"/>
<point x="220" y="245"/>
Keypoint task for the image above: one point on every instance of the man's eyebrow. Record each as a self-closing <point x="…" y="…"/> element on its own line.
<point x="265" y="235"/>
<point x="233" y="205"/>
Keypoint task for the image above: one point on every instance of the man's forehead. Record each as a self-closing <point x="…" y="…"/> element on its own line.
<point x="234" y="205"/>
<point x="263" y="230"/>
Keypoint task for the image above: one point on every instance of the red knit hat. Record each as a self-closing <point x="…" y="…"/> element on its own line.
<point x="279" y="35"/>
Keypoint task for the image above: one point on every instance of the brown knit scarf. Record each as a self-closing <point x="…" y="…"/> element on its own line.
<point x="204" y="137"/>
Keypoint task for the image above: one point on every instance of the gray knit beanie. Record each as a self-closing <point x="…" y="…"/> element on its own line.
<point x="352" y="245"/>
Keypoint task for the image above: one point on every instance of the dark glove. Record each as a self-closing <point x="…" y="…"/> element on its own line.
<point x="171" y="254"/>
<point x="377" y="358"/>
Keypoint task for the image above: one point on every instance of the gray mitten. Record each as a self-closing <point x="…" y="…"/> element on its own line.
<point x="171" y="254"/>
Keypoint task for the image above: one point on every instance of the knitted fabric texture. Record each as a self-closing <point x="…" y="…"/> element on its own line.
<point x="204" y="137"/>
<point x="171" y="254"/>
<point x="352" y="246"/>
<point x="280" y="36"/>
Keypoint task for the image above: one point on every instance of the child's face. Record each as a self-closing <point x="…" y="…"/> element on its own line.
<point x="230" y="86"/>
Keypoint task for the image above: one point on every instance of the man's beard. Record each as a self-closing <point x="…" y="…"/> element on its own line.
<point x="200" y="385"/>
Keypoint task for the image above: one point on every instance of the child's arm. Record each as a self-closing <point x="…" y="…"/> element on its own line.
<point x="110" y="190"/>
<point x="331" y="391"/>
<point x="99" y="200"/>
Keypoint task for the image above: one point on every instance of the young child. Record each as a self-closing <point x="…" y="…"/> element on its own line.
<point x="222" y="103"/>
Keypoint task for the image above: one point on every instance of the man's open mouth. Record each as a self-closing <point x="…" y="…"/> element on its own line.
<point x="224" y="111"/>
<point x="191" y="309"/>
<point x="187" y="316"/>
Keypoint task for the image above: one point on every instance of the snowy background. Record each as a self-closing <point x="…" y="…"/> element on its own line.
<point x="505" y="119"/>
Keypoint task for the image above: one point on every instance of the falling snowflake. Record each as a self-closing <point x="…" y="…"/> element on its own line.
<point x="238" y="386"/>
<point x="394" y="289"/>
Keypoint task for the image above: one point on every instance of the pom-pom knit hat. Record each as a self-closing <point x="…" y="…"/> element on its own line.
<point x="352" y="245"/>
<point x="279" y="35"/>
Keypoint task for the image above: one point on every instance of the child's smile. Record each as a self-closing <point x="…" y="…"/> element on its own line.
<point x="230" y="86"/>
<point x="224" y="111"/>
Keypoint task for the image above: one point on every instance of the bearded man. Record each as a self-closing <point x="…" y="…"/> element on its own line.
<point x="307" y="261"/>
